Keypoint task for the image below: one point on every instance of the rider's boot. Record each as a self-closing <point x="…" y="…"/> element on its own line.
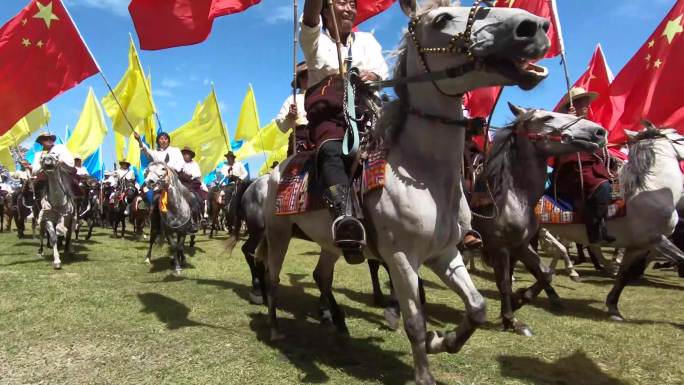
<point x="348" y="232"/>
<point x="604" y="231"/>
<point x="472" y="240"/>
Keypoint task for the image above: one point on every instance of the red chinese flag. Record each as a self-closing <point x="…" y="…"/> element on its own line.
<point x="480" y="103"/>
<point x="545" y="9"/>
<point x="596" y="78"/>
<point x="648" y="86"/>
<point x="172" y="23"/>
<point x="365" y="9"/>
<point x="41" y="56"/>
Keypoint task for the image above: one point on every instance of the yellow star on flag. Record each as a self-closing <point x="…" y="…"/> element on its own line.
<point x="672" y="28"/>
<point x="651" y="43"/>
<point x="23" y="22"/>
<point x="25" y="42"/>
<point x="648" y="57"/>
<point x="510" y="3"/>
<point x="657" y="63"/>
<point x="45" y="13"/>
<point x="40" y="44"/>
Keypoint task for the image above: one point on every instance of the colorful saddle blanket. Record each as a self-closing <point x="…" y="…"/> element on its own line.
<point x="298" y="193"/>
<point x="552" y="212"/>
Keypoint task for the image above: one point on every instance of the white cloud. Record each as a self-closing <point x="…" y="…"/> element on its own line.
<point x="117" y="7"/>
<point x="162" y="93"/>
<point x="277" y="15"/>
<point x="170" y="83"/>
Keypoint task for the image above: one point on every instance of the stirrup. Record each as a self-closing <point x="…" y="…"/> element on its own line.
<point x="350" y="236"/>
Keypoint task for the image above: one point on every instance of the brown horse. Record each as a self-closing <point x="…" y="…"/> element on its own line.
<point x="140" y="214"/>
<point x="6" y="208"/>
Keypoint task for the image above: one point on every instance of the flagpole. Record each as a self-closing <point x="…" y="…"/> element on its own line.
<point x="294" y="71"/>
<point x="336" y="35"/>
<point x="564" y="61"/>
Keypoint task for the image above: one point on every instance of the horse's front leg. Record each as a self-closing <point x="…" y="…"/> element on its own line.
<point x="178" y="255"/>
<point x="632" y="267"/>
<point x="453" y="272"/>
<point x="543" y="276"/>
<point x="330" y="311"/>
<point x="378" y="297"/>
<point x="561" y="251"/>
<point x="405" y="280"/>
<point x="52" y="233"/>
<point x="69" y="224"/>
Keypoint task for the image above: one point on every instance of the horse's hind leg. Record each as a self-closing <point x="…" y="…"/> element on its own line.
<point x="179" y="256"/>
<point x="277" y="242"/>
<point x="560" y="251"/>
<point x="323" y="275"/>
<point x="632" y="267"/>
<point x="155" y="222"/>
<point x="249" y="250"/>
<point x="405" y="280"/>
<point x="543" y="276"/>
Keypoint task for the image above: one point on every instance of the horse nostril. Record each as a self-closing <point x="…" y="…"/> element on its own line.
<point x="527" y="29"/>
<point x="601" y="133"/>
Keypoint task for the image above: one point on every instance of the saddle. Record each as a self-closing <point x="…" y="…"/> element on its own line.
<point x="550" y="211"/>
<point x="298" y="192"/>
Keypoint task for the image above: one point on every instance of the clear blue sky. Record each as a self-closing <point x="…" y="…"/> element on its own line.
<point x="256" y="47"/>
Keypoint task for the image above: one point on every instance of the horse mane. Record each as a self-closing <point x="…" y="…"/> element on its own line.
<point x="388" y="127"/>
<point x="500" y="161"/>
<point x="175" y="181"/>
<point x="641" y="159"/>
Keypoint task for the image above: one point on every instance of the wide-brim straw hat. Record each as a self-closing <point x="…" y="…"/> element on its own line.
<point x="302" y="68"/>
<point x="230" y="154"/>
<point x="78" y="156"/>
<point x="45" y="135"/>
<point x="188" y="150"/>
<point x="576" y="93"/>
<point x="124" y="161"/>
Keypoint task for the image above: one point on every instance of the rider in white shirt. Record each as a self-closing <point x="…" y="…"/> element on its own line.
<point x="232" y="170"/>
<point x="78" y="164"/>
<point x="163" y="150"/>
<point x="292" y="115"/>
<point x="125" y="177"/>
<point x="59" y="151"/>
<point x="191" y="177"/>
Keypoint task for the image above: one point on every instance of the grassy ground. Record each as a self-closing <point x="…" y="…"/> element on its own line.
<point x="107" y="318"/>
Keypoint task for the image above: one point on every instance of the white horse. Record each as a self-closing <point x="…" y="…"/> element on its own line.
<point x="414" y="220"/>
<point x="652" y="186"/>
<point x="58" y="212"/>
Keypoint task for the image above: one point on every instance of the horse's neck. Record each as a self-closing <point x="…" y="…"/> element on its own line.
<point x="56" y="194"/>
<point x="528" y="169"/>
<point x="664" y="172"/>
<point x="176" y="200"/>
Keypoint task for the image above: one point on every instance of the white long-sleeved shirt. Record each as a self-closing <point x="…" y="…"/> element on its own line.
<point x="237" y="169"/>
<point x="59" y="151"/>
<point x="176" y="160"/>
<point x="286" y="123"/>
<point x="320" y="51"/>
<point x="192" y="169"/>
<point x="22" y="175"/>
<point x="82" y="171"/>
<point x="121" y="174"/>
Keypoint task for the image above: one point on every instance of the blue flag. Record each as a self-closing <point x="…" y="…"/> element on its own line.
<point x="95" y="165"/>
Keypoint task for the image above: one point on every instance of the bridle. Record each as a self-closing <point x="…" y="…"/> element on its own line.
<point x="460" y="42"/>
<point x="555" y="136"/>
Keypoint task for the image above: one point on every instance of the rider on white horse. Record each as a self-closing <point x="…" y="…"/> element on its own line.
<point x="164" y="149"/>
<point x="325" y="104"/>
<point x="191" y="177"/>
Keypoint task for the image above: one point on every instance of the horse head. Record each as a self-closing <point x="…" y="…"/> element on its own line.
<point x="556" y="134"/>
<point x="651" y="133"/>
<point x="462" y="49"/>
<point x="158" y="176"/>
<point x="48" y="163"/>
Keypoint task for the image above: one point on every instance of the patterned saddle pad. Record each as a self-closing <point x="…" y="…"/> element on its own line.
<point x="298" y="192"/>
<point x="552" y="212"/>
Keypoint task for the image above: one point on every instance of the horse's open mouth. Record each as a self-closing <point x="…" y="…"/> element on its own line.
<point x="585" y="144"/>
<point x="523" y="72"/>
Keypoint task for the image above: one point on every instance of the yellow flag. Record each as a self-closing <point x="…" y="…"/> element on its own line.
<point x="278" y="155"/>
<point x="90" y="130"/>
<point x="7" y="160"/>
<point x="268" y="139"/>
<point x="25" y="127"/>
<point x="204" y="134"/>
<point x="134" y="95"/>
<point x="119" y="146"/>
<point x="248" y="123"/>
<point x="133" y="153"/>
<point x="149" y="130"/>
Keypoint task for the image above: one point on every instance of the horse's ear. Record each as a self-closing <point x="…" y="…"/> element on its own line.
<point x="631" y="134"/>
<point x="166" y="160"/>
<point x="517" y="111"/>
<point x="649" y="125"/>
<point x="409" y="7"/>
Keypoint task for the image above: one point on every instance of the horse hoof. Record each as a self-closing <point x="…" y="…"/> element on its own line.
<point x="256" y="299"/>
<point x="56" y="266"/>
<point x="276" y="335"/>
<point x="617" y="317"/>
<point x="392" y="318"/>
<point x="523" y="330"/>
<point x="147" y="261"/>
<point x="576" y="278"/>
<point x="177" y="272"/>
<point x="326" y="317"/>
<point x="557" y="305"/>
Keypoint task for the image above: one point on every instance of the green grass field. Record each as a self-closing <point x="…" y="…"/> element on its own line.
<point x="107" y="318"/>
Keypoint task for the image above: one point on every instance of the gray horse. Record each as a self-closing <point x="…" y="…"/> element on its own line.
<point x="58" y="212"/>
<point x="415" y="220"/>
<point x="171" y="212"/>
<point x="652" y="187"/>
<point x="515" y="175"/>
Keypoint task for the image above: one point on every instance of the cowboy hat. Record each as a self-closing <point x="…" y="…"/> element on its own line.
<point x="576" y="93"/>
<point x="124" y="161"/>
<point x="229" y="154"/>
<point x="45" y="135"/>
<point x="301" y="70"/>
<point x="189" y="151"/>
<point x="78" y="156"/>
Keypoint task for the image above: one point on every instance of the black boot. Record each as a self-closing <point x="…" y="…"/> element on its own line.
<point x="604" y="231"/>
<point x="348" y="232"/>
<point x="593" y="228"/>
